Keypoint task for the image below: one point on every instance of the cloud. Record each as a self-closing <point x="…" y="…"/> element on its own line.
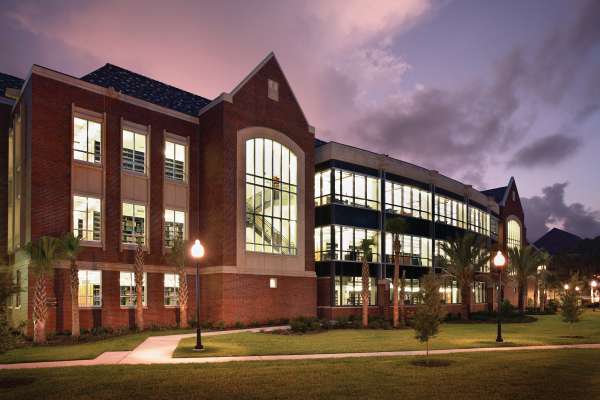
<point x="547" y="150"/>
<point x="550" y="210"/>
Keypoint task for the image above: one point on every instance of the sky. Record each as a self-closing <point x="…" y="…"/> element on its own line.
<point x="478" y="90"/>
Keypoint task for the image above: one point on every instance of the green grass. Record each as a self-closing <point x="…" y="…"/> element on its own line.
<point x="547" y="330"/>
<point x="557" y="374"/>
<point x="81" y="351"/>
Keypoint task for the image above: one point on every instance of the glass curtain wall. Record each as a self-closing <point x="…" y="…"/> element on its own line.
<point x="414" y="250"/>
<point x="407" y="200"/>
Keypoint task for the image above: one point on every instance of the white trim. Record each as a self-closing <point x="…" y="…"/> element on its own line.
<point x="108" y="92"/>
<point x="222" y="97"/>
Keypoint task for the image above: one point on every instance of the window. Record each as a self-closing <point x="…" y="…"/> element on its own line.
<point x="175" y="168"/>
<point x="494" y="227"/>
<point x="348" y="291"/>
<point x="412" y="290"/>
<point x="356" y="190"/>
<point x="273" y="90"/>
<point x="479" y="221"/>
<point x="414" y="250"/>
<point x="90" y="288"/>
<point x="128" y="296"/>
<point x="171" y="283"/>
<point x="513" y="237"/>
<point x="87" y="218"/>
<point x="407" y="200"/>
<point x="87" y="140"/>
<point x="271" y="197"/>
<point x="451" y="212"/>
<point x="348" y="240"/>
<point x="450" y="293"/>
<point x="323" y="187"/>
<point x="323" y="244"/>
<point x="479" y="292"/>
<point x="273" y="283"/>
<point x="134" y="227"/>
<point x="174" y="226"/>
<point x="134" y="152"/>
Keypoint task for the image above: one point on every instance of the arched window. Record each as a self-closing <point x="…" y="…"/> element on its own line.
<point x="513" y="237"/>
<point x="271" y="197"/>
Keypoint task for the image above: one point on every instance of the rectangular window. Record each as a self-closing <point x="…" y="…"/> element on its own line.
<point x="273" y="283"/>
<point x="87" y="140"/>
<point x="90" y="288"/>
<point x="479" y="292"/>
<point x="348" y="290"/>
<point x="323" y="244"/>
<point x="414" y="250"/>
<point x="450" y="293"/>
<point x="412" y="289"/>
<point x="87" y="218"/>
<point x="479" y="221"/>
<point x="134" y="224"/>
<point x="127" y="294"/>
<point x="450" y="211"/>
<point x="348" y="240"/>
<point x="174" y="226"/>
<point x="134" y="152"/>
<point x="18" y="294"/>
<point x="175" y="167"/>
<point x="171" y="290"/>
<point x="323" y="187"/>
<point x="407" y="200"/>
<point x="356" y="190"/>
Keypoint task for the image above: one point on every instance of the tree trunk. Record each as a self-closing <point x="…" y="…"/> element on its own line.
<point x="395" y="282"/>
<point x="402" y="294"/>
<point x="365" y="293"/>
<point x="75" y="328"/>
<point x="521" y="300"/>
<point x="183" y="300"/>
<point x="40" y="309"/>
<point x="139" y="287"/>
<point x="465" y="298"/>
<point x="543" y="299"/>
<point x="536" y="292"/>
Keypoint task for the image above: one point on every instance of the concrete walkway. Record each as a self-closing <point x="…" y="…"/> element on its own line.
<point x="159" y="350"/>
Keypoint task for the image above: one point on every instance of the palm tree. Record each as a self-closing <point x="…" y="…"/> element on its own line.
<point x="465" y="256"/>
<point x="544" y="260"/>
<point x="396" y="226"/>
<point x="366" y="246"/>
<point x="72" y="248"/>
<point x="177" y="258"/>
<point x="523" y="263"/>
<point x="548" y="280"/>
<point x="138" y="268"/>
<point x="44" y="253"/>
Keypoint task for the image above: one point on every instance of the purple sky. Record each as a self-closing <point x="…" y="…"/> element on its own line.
<point x="477" y="90"/>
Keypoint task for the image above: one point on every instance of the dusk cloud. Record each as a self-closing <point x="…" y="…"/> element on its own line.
<point x="548" y="150"/>
<point x="550" y="210"/>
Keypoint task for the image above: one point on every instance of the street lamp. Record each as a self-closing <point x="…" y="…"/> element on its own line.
<point x="499" y="262"/>
<point x="566" y="286"/>
<point x="197" y="254"/>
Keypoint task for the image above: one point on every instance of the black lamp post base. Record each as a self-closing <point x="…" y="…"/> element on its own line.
<point x="198" y="349"/>
<point x="499" y="340"/>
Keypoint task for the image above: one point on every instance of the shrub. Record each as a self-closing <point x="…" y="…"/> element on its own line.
<point x="305" y="324"/>
<point x="507" y="309"/>
<point x="219" y="325"/>
<point x="552" y="306"/>
<point x="239" y="325"/>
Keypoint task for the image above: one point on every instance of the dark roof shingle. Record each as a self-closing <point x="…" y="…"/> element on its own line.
<point x="496" y="193"/>
<point x="144" y="88"/>
<point x="9" y="81"/>
<point x="556" y="241"/>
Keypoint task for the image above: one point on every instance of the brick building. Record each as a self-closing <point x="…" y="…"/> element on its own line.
<point x="117" y="158"/>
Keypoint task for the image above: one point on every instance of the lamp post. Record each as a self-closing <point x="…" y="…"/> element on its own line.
<point x="499" y="262"/>
<point x="197" y="254"/>
<point x="593" y="285"/>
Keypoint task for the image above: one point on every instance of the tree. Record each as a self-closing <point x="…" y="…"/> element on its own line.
<point x="177" y="258"/>
<point x="544" y="259"/>
<point x="396" y="226"/>
<point x="523" y="264"/>
<point x="465" y="256"/>
<point x="72" y="248"/>
<point x="570" y="310"/>
<point x="7" y="289"/>
<point x="138" y="268"/>
<point x="429" y="312"/>
<point x="548" y="281"/>
<point x="366" y="246"/>
<point x="44" y="253"/>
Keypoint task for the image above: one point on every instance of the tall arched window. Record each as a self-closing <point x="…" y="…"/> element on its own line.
<point x="271" y="197"/>
<point x="513" y="237"/>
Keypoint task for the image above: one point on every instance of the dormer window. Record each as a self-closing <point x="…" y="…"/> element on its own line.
<point x="273" y="90"/>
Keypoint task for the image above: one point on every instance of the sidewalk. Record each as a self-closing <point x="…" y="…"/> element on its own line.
<point x="159" y="350"/>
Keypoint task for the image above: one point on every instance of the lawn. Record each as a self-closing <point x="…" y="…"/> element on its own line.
<point x="547" y="330"/>
<point x="81" y="351"/>
<point x="556" y="374"/>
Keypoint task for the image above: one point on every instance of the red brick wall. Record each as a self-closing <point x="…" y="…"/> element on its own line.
<point x="4" y="127"/>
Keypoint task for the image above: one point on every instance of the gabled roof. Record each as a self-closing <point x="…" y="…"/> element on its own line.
<point x="319" y="142"/>
<point x="500" y="194"/>
<point x="144" y="88"/>
<point x="556" y="241"/>
<point x="9" y="81"/>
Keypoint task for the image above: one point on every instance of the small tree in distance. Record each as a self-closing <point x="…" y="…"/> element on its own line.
<point x="570" y="310"/>
<point x="366" y="246"/>
<point x="429" y="313"/>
